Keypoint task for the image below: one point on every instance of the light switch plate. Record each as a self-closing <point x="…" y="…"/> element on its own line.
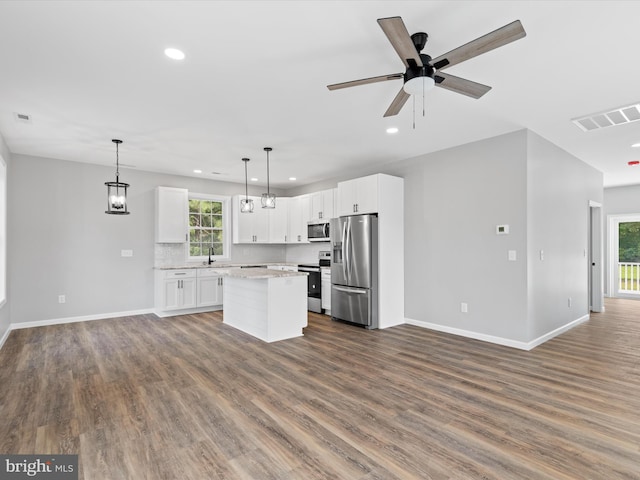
<point x="126" y="253"/>
<point x="502" y="229"/>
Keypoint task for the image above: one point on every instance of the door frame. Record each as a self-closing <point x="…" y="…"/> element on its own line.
<point x="612" y="248"/>
<point x="595" y="258"/>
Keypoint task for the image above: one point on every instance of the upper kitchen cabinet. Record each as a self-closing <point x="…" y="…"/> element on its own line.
<point x="279" y="221"/>
<point x="250" y="227"/>
<point x="299" y="216"/>
<point x="359" y="196"/>
<point x="171" y="215"/>
<point x="323" y="205"/>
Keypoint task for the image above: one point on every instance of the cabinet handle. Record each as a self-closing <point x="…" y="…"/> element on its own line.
<point x="319" y="214"/>
<point x="186" y="237"/>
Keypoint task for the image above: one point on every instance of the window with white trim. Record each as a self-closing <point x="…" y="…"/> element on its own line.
<point x="209" y="227"/>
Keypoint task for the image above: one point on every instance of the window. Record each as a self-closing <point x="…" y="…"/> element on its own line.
<point x="3" y="231"/>
<point x="208" y="226"/>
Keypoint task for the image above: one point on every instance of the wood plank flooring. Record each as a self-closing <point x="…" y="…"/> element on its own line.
<point x="190" y="398"/>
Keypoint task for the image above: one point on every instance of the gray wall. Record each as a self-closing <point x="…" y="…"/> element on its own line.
<point x="559" y="188"/>
<point x="5" y="317"/>
<point x="453" y="201"/>
<point x="618" y="201"/>
<point x="64" y="244"/>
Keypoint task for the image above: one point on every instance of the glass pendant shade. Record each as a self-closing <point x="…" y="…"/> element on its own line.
<point x="117" y="191"/>
<point x="418" y="85"/>
<point x="246" y="204"/>
<point x="268" y="199"/>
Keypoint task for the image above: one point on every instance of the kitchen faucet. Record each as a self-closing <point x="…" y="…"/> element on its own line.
<point x="210" y="252"/>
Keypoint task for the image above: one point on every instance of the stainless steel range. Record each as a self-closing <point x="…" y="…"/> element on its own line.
<point x="314" y="280"/>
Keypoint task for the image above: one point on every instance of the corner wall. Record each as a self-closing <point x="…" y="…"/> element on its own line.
<point x="559" y="188"/>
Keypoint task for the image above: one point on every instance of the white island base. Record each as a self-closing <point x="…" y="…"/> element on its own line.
<point x="271" y="306"/>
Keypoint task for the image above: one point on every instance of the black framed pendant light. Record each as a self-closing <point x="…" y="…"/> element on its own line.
<point x="246" y="204"/>
<point x="117" y="191"/>
<point x="268" y="199"/>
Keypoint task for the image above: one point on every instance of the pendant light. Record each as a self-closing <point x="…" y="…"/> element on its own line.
<point x="117" y="191"/>
<point x="246" y="204"/>
<point x="268" y="199"/>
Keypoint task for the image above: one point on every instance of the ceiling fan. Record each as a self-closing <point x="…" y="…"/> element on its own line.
<point x="422" y="72"/>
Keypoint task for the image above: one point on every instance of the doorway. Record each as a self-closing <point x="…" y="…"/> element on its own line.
<point x="624" y="256"/>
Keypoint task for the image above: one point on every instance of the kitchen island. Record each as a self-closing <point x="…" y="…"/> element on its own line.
<point x="268" y="304"/>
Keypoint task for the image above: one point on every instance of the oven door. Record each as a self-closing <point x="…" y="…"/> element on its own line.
<point x="314" y="288"/>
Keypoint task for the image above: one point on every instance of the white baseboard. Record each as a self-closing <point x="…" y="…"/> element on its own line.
<point x="499" y="340"/>
<point x="185" y="311"/>
<point x="5" y="336"/>
<point x="83" y="318"/>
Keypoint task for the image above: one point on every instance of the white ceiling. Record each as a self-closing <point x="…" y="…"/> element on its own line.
<point x="255" y="75"/>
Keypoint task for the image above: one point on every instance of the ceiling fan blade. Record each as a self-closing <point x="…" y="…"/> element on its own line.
<point x="507" y="34"/>
<point x="460" y="85"/>
<point x="397" y="104"/>
<point x="397" y="33"/>
<point x="364" y="81"/>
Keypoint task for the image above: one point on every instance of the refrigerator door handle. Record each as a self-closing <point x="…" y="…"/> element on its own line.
<point x="345" y="260"/>
<point x="350" y="290"/>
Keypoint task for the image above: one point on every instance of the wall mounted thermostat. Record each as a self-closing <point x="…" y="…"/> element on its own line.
<point x="502" y="229"/>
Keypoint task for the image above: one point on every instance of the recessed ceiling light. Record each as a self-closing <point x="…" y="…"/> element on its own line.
<point x="174" y="53"/>
<point x="197" y="171"/>
<point x="636" y="145"/>
<point x="392" y="130"/>
<point x="293" y="179"/>
<point x="254" y="179"/>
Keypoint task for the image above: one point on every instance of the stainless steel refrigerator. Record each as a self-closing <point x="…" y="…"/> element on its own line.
<point x="354" y="269"/>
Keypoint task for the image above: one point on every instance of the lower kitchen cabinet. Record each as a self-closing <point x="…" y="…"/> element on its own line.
<point x="209" y="288"/>
<point x="178" y="290"/>
<point x="187" y="291"/>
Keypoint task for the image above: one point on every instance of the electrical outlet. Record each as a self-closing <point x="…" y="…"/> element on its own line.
<point x="62" y="299"/>
<point x="464" y="308"/>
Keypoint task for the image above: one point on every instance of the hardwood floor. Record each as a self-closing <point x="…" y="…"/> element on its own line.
<point x="190" y="398"/>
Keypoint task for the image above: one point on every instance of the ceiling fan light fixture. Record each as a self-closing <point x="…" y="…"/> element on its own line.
<point x="418" y="85"/>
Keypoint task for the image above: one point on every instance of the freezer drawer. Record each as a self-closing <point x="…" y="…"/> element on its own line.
<point x="352" y="305"/>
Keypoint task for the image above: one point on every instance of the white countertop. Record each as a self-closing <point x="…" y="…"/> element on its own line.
<point x="260" y="273"/>
<point x="222" y="265"/>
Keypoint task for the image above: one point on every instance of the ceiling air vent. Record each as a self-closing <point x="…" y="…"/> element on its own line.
<point x="617" y="116"/>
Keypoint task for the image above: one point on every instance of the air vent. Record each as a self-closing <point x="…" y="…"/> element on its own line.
<point x="617" y="116"/>
<point x="22" y="117"/>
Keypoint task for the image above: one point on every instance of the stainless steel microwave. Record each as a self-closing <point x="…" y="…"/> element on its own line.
<point x="318" y="231"/>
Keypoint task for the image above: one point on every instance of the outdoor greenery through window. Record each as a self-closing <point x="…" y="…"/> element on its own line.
<point x="207" y="220"/>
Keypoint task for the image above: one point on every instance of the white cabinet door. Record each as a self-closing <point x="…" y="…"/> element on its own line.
<point x="188" y="293"/>
<point x="358" y="196"/>
<point x="171" y="214"/>
<point x="322" y="205"/>
<point x="209" y="291"/>
<point x="178" y="290"/>
<point x="299" y="216"/>
<point x="250" y="227"/>
<point x="279" y="221"/>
